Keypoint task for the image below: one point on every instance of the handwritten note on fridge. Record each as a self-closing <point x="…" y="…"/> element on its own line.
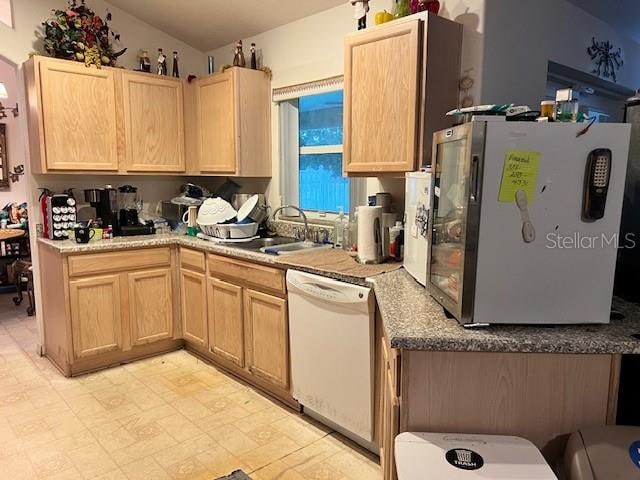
<point x="520" y="172"/>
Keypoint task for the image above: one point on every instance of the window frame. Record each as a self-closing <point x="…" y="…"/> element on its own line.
<point x="290" y="152"/>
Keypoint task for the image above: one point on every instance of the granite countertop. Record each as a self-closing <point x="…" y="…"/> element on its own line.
<point x="68" y="247"/>
<point x="415" y="321"/>
<point x="412" y="319"/>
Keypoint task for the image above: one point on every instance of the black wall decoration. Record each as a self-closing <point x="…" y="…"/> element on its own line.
<point x="607" y="60"/>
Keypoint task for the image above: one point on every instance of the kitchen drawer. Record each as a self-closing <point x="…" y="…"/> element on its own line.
<point x="192" y="259"/>
<point x="93" y="263"/>
<point x="247" y="273"/>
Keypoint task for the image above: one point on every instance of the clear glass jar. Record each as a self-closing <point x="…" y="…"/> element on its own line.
<point x="402" y="9"/>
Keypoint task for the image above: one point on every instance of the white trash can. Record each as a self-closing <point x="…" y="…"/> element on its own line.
<point x="454" y="456"/>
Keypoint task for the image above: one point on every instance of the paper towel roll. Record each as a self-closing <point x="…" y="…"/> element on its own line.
<point x="370" y="234"/>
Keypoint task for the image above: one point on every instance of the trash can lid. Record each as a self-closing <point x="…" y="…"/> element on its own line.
<point x="453" y="456"/>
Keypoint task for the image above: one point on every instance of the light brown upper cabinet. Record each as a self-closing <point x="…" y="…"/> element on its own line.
<point x="233" y="123"/>
<point x="72" y="116"/>
<point x="400" y="79"/>
<point x="85" y="119"/>
<point x="153" y="109"/>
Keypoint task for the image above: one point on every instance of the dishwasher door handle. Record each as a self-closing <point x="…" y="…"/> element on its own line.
<point x="328" y="293"/>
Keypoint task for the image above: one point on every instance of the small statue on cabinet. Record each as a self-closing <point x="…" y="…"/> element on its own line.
<point x="361" y="9"/>
<point x="162" y="62"/>
<point x="238" y="57"/>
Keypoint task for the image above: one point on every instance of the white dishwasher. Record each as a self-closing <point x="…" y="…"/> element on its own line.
<point x="331" y="331"/>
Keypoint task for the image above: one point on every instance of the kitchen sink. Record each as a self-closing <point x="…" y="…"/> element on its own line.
<point x="297" y="247"/>
<point x="259" y="243"/>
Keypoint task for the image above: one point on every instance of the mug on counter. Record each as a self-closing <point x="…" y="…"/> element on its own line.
<point x="189" y="217"/>
<point x="84" y="234"/>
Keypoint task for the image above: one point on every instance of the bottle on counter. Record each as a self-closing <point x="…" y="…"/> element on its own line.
<point x="339" y="227"/>
<point x="396" y="241"/>
<point x="353" y="231"/>
<point x="175" y="72"/>
<point x="548" y="110"/>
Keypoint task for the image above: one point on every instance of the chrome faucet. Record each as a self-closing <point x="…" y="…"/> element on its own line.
<point x="302" y="214"/>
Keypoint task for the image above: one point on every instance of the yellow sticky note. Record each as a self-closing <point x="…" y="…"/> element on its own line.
<point x="520" y="172"/>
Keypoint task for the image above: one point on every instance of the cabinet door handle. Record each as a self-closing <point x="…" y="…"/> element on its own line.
<point x="475" y="171"/>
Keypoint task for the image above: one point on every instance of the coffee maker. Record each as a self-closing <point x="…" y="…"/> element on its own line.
<point x="130" y="205"/>
<point x="105" y="201"/>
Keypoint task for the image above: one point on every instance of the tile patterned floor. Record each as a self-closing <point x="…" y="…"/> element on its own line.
<point x="168" y="417"/>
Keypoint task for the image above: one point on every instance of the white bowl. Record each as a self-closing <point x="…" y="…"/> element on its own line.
<point x="230" y="230"/>
<point x="214" y="211"/>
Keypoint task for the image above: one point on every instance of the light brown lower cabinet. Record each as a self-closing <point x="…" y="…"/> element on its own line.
<point x="389" y="414"/>
<point x="194" y="306"/>
<point x="247" y="321"/>
<point x="103" y="309"/>
<point x="95" y="315"/>
<point x="542" y="397"/>
<point x="117" y="306"/>
<point x="150" y="305"/>
<point x="267" y="337"/>
<point x="226" y="328"/>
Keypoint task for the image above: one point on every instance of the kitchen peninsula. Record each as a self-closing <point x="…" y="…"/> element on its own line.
<point x="541" y="383"/>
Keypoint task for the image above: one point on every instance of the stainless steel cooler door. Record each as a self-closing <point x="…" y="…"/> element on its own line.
<point x="629" y="259"/>
<point x="454" y="219"/>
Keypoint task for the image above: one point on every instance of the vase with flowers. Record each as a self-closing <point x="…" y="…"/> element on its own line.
<point x="77" y="33"/>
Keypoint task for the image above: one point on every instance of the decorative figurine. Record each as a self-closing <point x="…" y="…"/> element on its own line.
<point x="175" y="71"/>
<point x="145" y="62"/>
<point x="361" y="9"/>
<point x="162" y="62"/>
<point x="254" y="60"/>
<point x="606" y="59"/>
<point x="238" y="58"/>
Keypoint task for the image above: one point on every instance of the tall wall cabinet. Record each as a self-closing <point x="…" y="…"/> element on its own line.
<point x="108" y="120"/>
<point x="400" y="79"/>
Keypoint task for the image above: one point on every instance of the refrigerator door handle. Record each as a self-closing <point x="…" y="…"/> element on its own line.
<point x="475" y="170"/>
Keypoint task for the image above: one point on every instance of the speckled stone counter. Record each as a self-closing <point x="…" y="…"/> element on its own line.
<point x="67" y="247"/>
<point x="415" y="321"/>
<point x="411" y="318"/>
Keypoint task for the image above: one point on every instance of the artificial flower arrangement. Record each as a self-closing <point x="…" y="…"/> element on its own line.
<point x="77" y="33"/>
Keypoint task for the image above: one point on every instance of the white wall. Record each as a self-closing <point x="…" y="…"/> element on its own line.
<point x="16" y="43"/>
<point x="313" y="48"/>
<point x="522" y="36"/>
<point x="17" y="192"/>
<point x="5" y="12"/>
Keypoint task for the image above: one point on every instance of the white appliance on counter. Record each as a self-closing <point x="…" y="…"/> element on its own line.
<point x="525" y="217"/>
<point x="331" y="332"/>
<point x="418" y="188"/>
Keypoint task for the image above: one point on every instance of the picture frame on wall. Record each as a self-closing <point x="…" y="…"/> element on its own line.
<point x="4" y="159"/>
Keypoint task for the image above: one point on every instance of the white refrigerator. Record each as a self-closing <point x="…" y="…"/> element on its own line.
<point x="526" y="221"/>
